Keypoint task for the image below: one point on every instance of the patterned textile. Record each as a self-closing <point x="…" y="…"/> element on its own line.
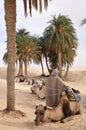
<point x="72" y="95"/>
<point x="77" y="96"/>
<point x="54" y="87"/>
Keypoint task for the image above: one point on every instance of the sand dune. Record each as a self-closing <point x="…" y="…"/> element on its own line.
<point x="26" y="102"/>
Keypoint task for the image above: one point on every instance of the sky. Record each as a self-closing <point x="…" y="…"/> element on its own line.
<point x="74" y="9"/>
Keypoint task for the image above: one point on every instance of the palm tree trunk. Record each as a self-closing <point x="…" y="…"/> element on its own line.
<point x="67" y="69"/>
<point x="20" y="67"/>
<point x="47" y="65"/>
<point x="25" y="64"/>
<point x="42" y="66"/>
<point x="10" y="19"/>
<point x="60" y="61"/>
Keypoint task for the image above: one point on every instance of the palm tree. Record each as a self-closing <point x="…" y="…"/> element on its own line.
<point x="10" y="19"/>
<point x="59" y="35"/>
<point x="23" y="41"/>
<point x="37" y="51"/>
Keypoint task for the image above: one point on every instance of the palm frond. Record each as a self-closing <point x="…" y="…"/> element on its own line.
<point x="35" y="4"/>
<point x="83" y="22"/>
<point x="40" y="6"/>
<point x="30" y="7"/>
<point x="25" y="6"/>
<point x="45" y="4"/>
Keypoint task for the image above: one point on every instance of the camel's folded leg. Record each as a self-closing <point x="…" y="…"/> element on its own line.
<point x="67" y="119"/>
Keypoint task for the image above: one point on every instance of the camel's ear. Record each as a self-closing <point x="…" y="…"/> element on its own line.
<point x="45" y="107"/>
<point x="36" y="106"/>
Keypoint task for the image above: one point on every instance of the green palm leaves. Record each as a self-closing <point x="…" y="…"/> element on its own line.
<point x="23" y="43"/>
<point x="27" y="49"/>
<point x="60" y="36"/>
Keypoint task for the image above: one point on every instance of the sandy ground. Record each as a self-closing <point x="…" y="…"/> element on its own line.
<point x="26" y="102"/>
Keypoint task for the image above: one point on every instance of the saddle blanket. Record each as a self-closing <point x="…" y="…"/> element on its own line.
<point x="77" y="96"/>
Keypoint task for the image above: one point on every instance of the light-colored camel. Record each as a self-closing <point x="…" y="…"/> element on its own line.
<point x="64" y="109"/>
<point x="19" y="78"/>
<point x="39" y="89"/>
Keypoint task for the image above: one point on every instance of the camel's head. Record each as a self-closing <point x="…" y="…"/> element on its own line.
<point x="40" y="84"/>
<point x="40" y="109"/>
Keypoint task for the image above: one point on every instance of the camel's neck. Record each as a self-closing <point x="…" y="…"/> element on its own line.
<point x="63" y="98"/>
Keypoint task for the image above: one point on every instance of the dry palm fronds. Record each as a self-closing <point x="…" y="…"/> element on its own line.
<point x="40" y="5"/>
<point x="45" y="4"/>
<point x="34" y="3"/>
<point x="30" y="7"/>
<point x="25" y="7"/>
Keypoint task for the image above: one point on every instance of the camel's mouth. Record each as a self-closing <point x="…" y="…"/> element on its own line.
<point x="39" y="117"/>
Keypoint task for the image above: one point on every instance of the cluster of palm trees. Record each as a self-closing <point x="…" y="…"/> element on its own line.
<point x="57" y="45"/>
<point x="52" y="46"/>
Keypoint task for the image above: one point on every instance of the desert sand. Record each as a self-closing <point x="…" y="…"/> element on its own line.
<point x="26" y="102"/>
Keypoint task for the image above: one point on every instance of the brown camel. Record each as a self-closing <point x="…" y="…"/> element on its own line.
<point x="64" y="109"/>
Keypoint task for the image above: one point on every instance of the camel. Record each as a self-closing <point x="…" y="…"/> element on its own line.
<point x="39" y="89"/>
<point x="19" y="78"/>
<point x="31" y="81"/>
<point x="64" y="109"/>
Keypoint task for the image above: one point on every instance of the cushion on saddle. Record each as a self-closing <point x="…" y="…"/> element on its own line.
<point x="78" y="97"/>
<point x="72" y="96"/>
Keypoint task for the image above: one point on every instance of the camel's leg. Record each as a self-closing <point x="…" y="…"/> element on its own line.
<point x="79" y="112"/>
<point x="66" y="109"/>
<point x="46" y="120"/>
<point x="67" y="119"/>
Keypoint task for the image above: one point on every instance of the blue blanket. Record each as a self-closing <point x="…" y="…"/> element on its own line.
<point x="77" y="96"/>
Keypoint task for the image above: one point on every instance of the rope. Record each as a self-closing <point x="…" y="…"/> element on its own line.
<point x="51" y="95"/>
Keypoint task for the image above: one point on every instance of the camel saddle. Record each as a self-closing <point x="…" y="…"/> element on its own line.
<point x="72" y="94"/>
